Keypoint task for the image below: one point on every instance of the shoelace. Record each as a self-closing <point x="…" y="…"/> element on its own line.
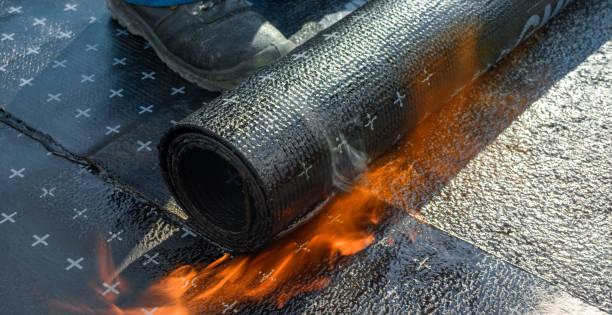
<point x="205" y="5"/>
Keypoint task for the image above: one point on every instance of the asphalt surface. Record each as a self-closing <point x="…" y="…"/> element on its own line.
<point x="509" y="191"/>
<point x="539" y="194"/>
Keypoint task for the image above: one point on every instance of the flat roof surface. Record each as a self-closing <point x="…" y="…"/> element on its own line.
<point x="509" y="193"/>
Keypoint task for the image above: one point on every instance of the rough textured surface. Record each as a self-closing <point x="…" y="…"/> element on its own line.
<point x="433" y="274"/>
<point x="540" y="196"/>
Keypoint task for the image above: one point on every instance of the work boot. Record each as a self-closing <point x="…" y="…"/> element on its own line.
<point x="212" y="43"/>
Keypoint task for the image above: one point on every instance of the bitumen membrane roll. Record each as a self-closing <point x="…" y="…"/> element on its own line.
<point x="265" y="154"/>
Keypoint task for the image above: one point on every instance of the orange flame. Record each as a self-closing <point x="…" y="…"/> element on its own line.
<point x="342" y="229"/>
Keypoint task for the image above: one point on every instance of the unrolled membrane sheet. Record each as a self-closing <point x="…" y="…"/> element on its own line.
<point x="266" y="153"/>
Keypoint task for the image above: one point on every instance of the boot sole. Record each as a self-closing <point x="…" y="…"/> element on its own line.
<point x="209" y="80"/>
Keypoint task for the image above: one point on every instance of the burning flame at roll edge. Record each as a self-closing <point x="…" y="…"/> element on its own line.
<point x="342" y="229"/>
<point x="288" y="267"/>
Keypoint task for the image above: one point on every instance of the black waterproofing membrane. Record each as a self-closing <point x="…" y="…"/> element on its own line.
<point x="266" y="153"/>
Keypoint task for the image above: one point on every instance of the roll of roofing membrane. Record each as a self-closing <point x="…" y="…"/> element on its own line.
<point x="264" y="154"/>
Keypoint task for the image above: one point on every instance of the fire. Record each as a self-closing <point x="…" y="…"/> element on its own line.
<point x="343" y="228"/>
<point x="287" y="268"/>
